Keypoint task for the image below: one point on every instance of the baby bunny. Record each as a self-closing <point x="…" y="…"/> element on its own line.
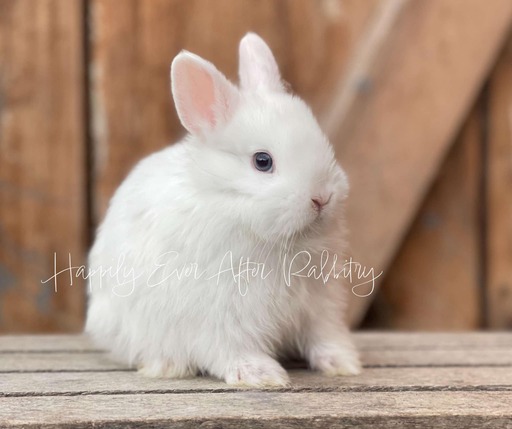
<point x="215" y="254"/>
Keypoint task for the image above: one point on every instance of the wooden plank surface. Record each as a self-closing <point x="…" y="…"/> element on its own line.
<point x="499" y="194"/>
<point x="268" y="409"/>
<point x="364" y="340"/>
<point x="99" y="361"/>
<point x="42" y="375"/>
<point x="411" y="103"/>
<point x="42" y="176"/>
<point x="465" y="378"/>
<point x="435" y="281"/>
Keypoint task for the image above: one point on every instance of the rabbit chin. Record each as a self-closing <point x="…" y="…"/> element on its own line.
<point x="300" y="226"/>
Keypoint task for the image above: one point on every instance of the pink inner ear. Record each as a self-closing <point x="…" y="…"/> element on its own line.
<point x="204" y="98"/>
<point x="201" y="97"/>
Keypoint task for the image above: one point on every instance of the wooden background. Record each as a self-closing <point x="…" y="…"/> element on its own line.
<point x="416" y="96"/>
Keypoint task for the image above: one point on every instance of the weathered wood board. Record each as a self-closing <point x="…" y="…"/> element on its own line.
<point x="42" y="163"/>
<point x="435" y="281"/>
<point x="365" y="340"/>
<point x="467" y="382"/>
<point x="266" y="409"/>
<point x="371" y="358"/>
<point x="499" y="194"/>
<point x="388" y="379"/>
<point x="416" y="93"/>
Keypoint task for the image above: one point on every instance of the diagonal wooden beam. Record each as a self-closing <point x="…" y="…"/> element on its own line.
<point x="435" y="280"/>
<point x="404" y="100"/>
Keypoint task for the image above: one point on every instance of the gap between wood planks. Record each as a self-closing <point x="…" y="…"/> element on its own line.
<point x="359" y="389"/>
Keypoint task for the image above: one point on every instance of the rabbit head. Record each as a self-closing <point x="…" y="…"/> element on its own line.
<point x="256" y="150"/>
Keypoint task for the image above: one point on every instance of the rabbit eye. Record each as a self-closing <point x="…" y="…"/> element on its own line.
<point x="262" y="161"/>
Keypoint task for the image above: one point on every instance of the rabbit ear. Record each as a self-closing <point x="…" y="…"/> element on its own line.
<point x="258" y="68"/>
<point x="204" y="98"/>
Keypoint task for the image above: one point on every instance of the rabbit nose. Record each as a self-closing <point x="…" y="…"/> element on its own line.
<point x="320" y="202"/>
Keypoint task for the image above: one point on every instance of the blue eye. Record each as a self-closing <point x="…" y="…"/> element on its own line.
<point x="262" y="161"/>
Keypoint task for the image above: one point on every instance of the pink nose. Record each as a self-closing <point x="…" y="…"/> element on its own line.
<point x="319" y="203"/>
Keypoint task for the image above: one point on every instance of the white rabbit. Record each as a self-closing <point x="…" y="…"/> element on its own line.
<point x="192" y="262"/>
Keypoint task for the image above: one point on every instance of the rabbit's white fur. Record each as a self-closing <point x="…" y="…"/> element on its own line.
<point x="202" y="205"/>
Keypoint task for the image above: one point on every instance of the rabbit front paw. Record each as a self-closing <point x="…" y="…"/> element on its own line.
<point x="258" y="371"/>
<point x="163" y="369"/>
<point x="336" y="362"/>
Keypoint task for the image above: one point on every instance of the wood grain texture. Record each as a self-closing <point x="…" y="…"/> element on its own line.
<point x="470" y="394"/>
<point x="416" y="96"/>
<point x="268" y="409"/>
<point x="42" y="149"/>
<point x="465" y="378"/>
<point x="364" y="340"/>
<point x="499" y="194"/>
<point x="49" y="353"/>
<point x="370" y="358"/>
<point x="133" y="44"/>
<point x="434" y="283"/>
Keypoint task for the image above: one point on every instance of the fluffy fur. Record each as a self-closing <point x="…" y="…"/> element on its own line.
<point x="168" y="294"/>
